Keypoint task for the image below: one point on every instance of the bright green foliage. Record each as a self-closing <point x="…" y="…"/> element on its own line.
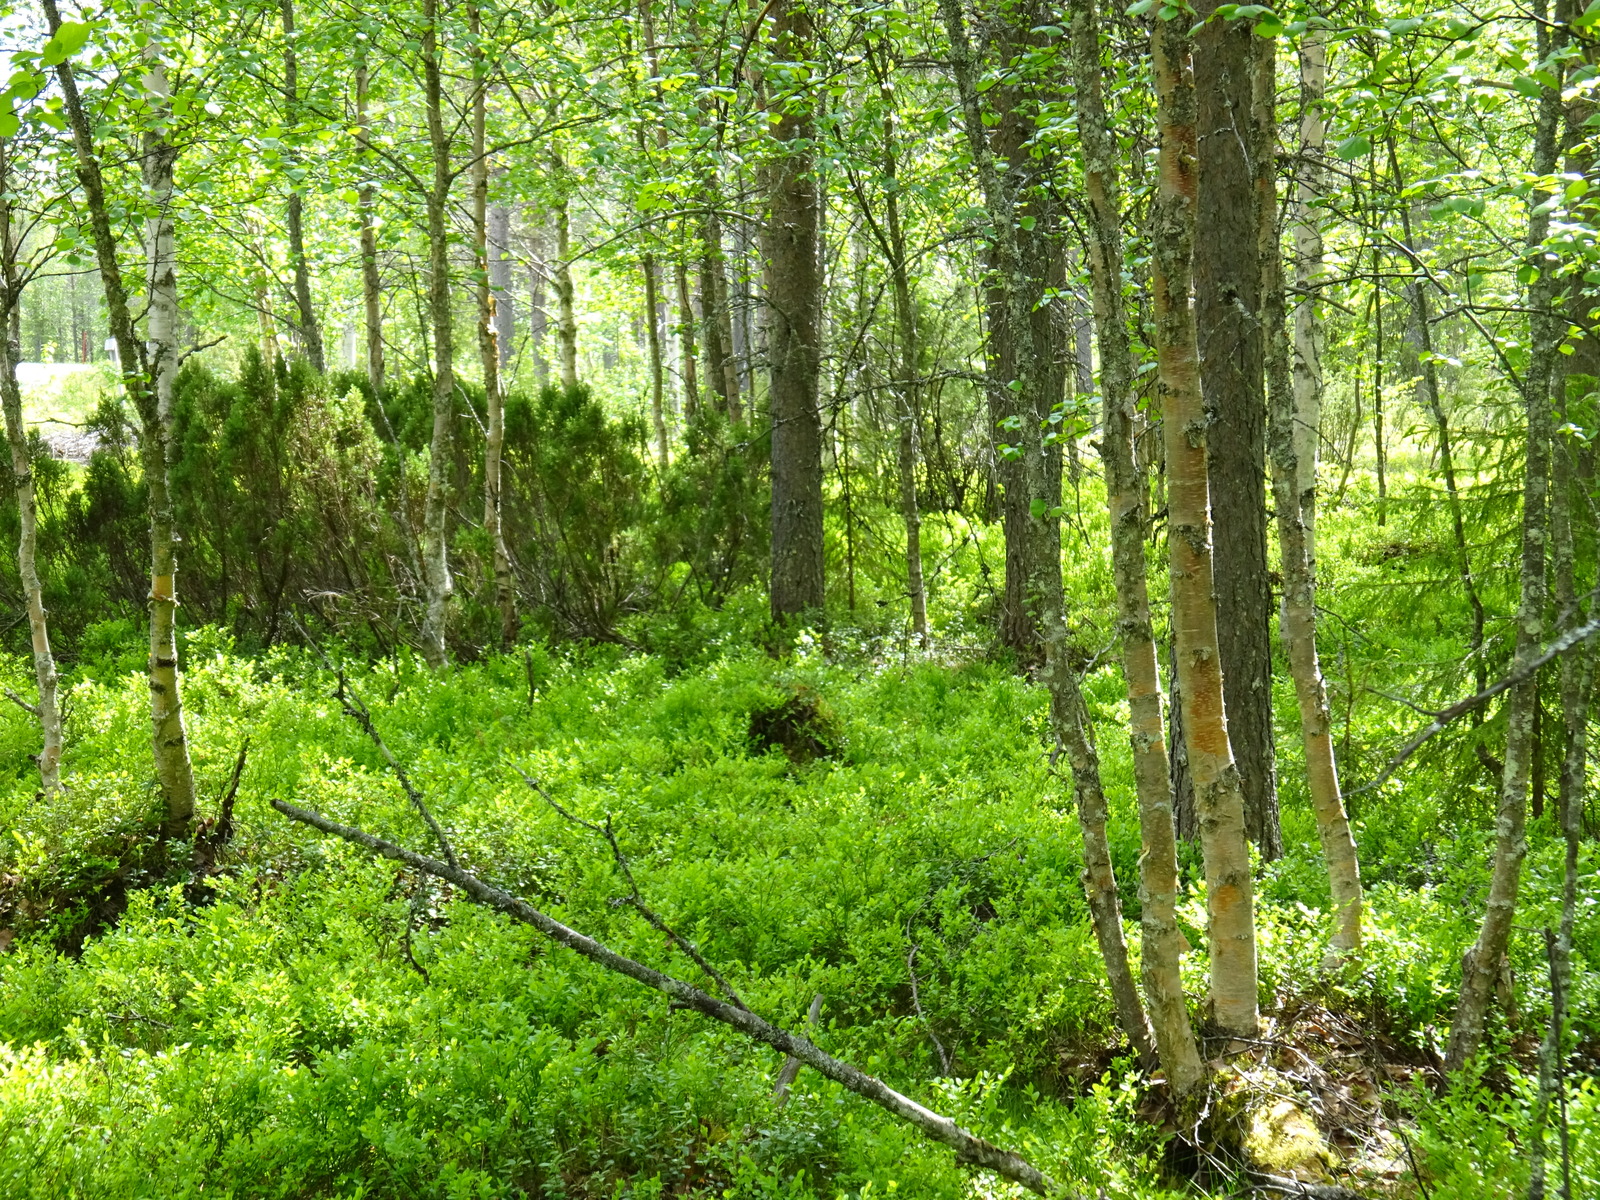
<point x="277" y="1040"/>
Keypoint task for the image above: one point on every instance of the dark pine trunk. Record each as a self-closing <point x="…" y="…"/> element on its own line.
<point x="794" y="295"/>
<point x="1227" y="313"/>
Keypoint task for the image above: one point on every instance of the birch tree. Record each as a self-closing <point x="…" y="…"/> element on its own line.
<point x="15" y="274"/>
<point x="148" y="372"/>
<point x="1219" y="798"/>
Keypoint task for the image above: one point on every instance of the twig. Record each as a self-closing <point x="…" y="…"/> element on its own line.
<point x="916" y="1006"/>
<point x="791" y="1065"/>
<point x="1574" y="636"/>
<point x="193" y="350"/>
<point x="356" y="709"/>
<point x="633" y="899"/>
<point x="1295" y="1187"/>
<point x="224" y="831"/>
<point x="968" y="1146"/>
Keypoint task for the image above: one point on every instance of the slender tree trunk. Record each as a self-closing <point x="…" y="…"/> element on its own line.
<point x="1069" y="715"/>
<point x="1163" y="942"/>
<point x="566" y="315"/>
<point x="1576" y="683"/>
<point x="1219" y="797"/>
<point x="724" y="315"/>
<point x="437" y="581"/>
<point x="1422" y="318"/>
<point x="489" y="349"/>
<point x="505" y="305"/>
<point x="538" y="276"/>
<point x="688" y="355"/>
<point x="722" y="371"/>
<point x="48" y="709"/>
<point x="1481" y="966"/>
<point x="711" y="351"/>
<point x="652" y="296"/>
<point x="1293" y="494"/>
<point x="1227" y="297"/>
<point x="907" y="386"/>
<point x="652" y="322"/>
<point x="794" y="299"/>
<point x="310" y="330"/>
<point x="170" y="744"/>
<point x="1310" y="186"/>
<point x="1380" y="450"/>
<point x="371" y="285"/>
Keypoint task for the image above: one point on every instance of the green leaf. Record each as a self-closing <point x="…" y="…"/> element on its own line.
<point x="9" y="124"/>
<point x="69" y="39"/>
<point x="1028" y="223"/>
<point x="1353" y="147"/>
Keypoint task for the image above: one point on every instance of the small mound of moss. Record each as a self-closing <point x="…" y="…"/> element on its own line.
<point x="800" y="725"/>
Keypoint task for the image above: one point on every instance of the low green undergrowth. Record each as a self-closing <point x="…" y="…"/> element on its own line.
<point x="308" y="1021"/>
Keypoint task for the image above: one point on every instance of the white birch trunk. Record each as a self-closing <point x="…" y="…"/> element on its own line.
<point x="170" y="744"/>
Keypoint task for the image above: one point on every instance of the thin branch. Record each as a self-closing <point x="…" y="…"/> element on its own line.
<point x="356" y="709"/>
<point x="21" y="703"/>
<point x="1572" y="637"/>
<point x="634" y="900"/>
<point x="968" y="1146"/>
<point x="916" y="1006"/>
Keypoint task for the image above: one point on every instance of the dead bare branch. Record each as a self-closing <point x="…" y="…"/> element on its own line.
<point x="634" y="900"/>
<point x="968" y="1146"/>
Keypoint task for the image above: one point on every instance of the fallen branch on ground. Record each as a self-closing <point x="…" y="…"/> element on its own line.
<point x="968" y="1146"/>
<point x="634" y="899"/>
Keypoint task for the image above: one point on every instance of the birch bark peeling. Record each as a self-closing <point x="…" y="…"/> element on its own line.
<point x="1162" y="941"/>
<point x="1219" y="799"/>
<point x="1293" y="492"/>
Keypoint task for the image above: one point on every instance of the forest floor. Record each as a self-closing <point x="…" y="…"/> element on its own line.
<point x="884" y="831"/>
